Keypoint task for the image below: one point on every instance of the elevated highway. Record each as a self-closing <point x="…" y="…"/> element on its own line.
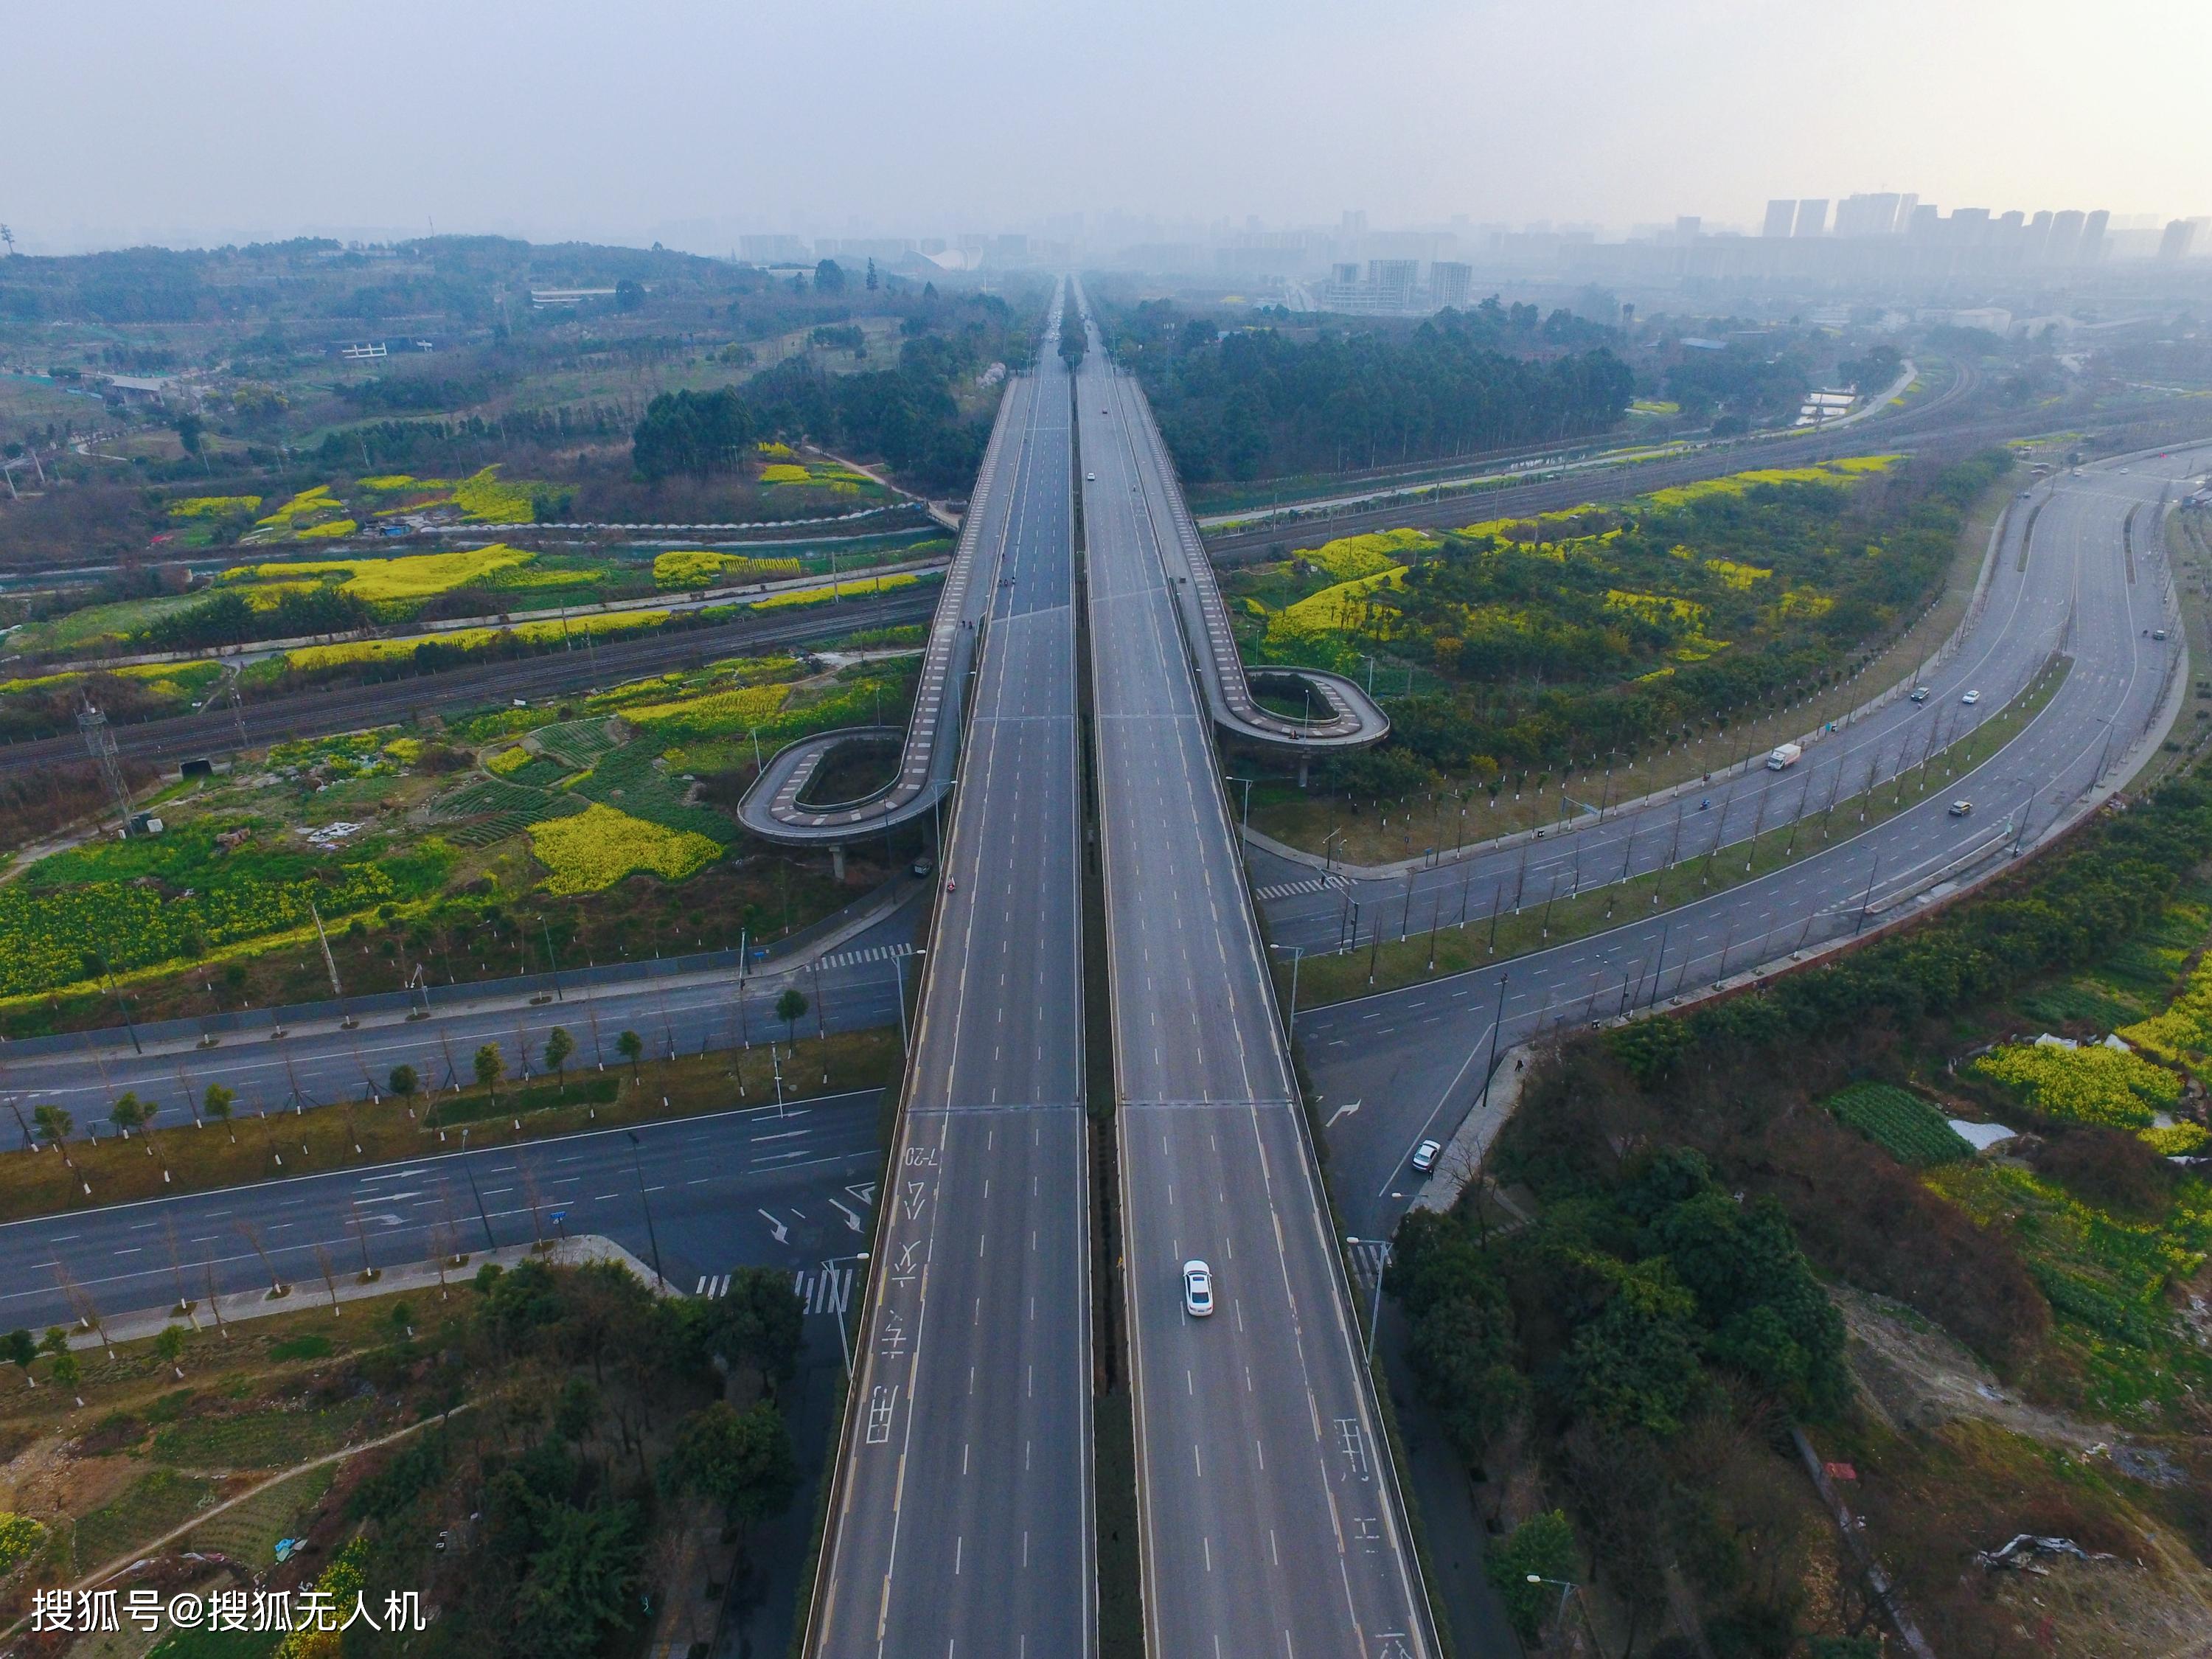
<point x="960" y="1518"/>
<point x="1268" y="1517"/>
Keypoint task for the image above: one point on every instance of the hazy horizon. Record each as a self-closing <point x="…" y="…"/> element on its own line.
<point x="242" y="120"/>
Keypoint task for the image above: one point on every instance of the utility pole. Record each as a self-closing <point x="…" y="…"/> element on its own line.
<point x="346" y="1021"/>
<point x="237" y="712"/>
<point x="99" y="743"/>
<point x="660" y="1279"/>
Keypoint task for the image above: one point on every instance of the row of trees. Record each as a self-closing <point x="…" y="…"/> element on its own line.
<point x="909" y="415"/>
<point x="1255" y="402"/>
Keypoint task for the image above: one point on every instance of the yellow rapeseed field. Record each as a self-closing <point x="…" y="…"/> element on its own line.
<point x="598" y="847"/>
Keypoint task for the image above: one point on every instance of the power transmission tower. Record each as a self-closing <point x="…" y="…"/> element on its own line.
<point x="99" y="743"/>
<point x="237" y="713"/>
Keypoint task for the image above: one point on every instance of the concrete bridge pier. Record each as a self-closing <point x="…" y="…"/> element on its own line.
<point x="837" y="860"/>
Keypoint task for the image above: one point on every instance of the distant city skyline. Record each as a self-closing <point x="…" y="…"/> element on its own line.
<point x="689" y="124"/>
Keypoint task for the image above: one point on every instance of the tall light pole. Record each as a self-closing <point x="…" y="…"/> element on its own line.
<point x="660" y="1278"/>
<point x="837" y="1309"/>
<point x="899" y="964"/>
<point x="1381" y="1264"/>
<point x="490" y="1244"/>
<point x="1297" y="955"/>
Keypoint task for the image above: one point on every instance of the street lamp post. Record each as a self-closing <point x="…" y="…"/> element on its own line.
<point x="899" y="963"/>
<point x="1245" y="818"/>
<point x="490" y="1244"/>
<point x="837" y="1307"/>
<point x="637" y="1168"/>
<point x="1297" y="955"/>
<point x="1381" y="1264"/>
<point x="1567" y="1587"/>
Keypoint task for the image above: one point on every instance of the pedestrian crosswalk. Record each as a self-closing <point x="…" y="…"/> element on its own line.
<point x="1368" y="1259"/>
<point x="866" y="954"/>
<point x="1283" y="889"/>
<point x="827" y="1291"/>
<point x="821" y="1290"/>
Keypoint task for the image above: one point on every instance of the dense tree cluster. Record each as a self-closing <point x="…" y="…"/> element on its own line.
<point x="1639" y="1314"/>
<point x="527" y="1521"/>
<point x="692" y="432"/>
<point x="228" y="618"/>
<point x="1739" y="382"/>
<point x="1252" y="403"/>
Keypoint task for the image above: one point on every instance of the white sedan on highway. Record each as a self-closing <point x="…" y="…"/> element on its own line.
<point x="1197" y="1290"/>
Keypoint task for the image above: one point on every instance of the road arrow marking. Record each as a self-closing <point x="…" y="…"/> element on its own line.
<point x="1345" y="1110"/>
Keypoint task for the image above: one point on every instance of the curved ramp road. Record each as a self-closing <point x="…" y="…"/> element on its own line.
<point x="960" y="1521"/>
<point x="1395" y="1068"/>
<point x="771" y="808"/>
<point x="1346" y="718"/>
<point x="1269" y="1519"/>
<point x="2056" y="600"/>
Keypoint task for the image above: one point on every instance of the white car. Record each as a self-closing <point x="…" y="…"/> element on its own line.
<point x="1961" y="808"/>
<point x="1090" y="478"/>
<point x="1425" y="1155"/>
<point x="1972" y="696"/>
<point x="1198" y="1290"/>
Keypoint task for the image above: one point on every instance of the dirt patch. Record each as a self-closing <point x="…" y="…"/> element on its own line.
<point x="2119" y="1609"/>
<point x="1916" y="1376"/>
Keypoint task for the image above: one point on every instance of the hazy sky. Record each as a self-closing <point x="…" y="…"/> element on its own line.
<point x="622" y="119"/>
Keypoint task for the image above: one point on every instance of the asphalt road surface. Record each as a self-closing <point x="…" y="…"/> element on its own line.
<point x="1393" y="1069"/>
<point x="748" y="1187"/>
<point x="855" y="987"/>
<point x="1268" y="1518"/>
<point x="961" y="1519"/>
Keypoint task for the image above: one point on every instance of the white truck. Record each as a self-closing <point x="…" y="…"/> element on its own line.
<point x="1785" y="757"/>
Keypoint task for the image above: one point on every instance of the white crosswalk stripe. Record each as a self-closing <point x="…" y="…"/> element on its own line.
<point x="821" y="1292"/>
<point x="1283" y="889"/>
<point x="824" y="1292"/>
<point x="1367" y="1258"/>
<point x="871" y="953"/>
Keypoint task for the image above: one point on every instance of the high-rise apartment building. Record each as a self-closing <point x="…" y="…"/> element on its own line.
<point x="1781" y="216"/>
<point x="2065" y="237"/>
<point x="1392" y="280"/>
<point x="1450" y="283"/>
<point x="1811" y="217"/>
<point x="2093" y="236"/>
<point x="1867" y="214"/>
